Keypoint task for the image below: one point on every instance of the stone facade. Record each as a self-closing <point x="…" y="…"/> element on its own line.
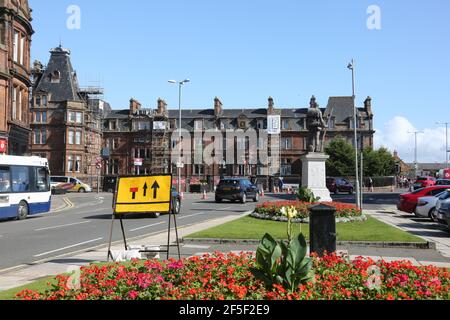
<point x="126" y="141"/>
<point x="15" y="42"/>
<point x="66" y="120"/>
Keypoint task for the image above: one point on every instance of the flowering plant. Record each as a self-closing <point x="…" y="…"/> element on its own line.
<point x="274" y="208"/>
<point x="219" y="276"/>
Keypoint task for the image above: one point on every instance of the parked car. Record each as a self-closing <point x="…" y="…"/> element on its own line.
<point x="236" y="189"/>
<point x="339" y="185"/>
<point x="176" y="203"/>
<point x="442" y="202"/>
<point x="426" y="206"/>
<point x="408" y="201"/>
<point x="109" y="184"/>
<point x="70" y="184"/>
<point x="424" y="182"/>
<point x="443" y="182"/>
<point x="447" y="216"/>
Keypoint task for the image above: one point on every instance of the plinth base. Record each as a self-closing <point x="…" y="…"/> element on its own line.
<point x="314" y="175"/>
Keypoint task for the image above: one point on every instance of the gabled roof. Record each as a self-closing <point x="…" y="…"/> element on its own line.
<point x="67" y="88"/>
<point x="341" y="108"/>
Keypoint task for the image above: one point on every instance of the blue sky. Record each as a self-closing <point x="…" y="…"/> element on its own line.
<point x="246" y="51"/>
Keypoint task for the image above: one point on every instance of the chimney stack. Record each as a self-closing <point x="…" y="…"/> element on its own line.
<point x="134" y="106"/>
<point x="271" y="105"/>
<point x="218" y="107"/>
<point x="368" y="106"/>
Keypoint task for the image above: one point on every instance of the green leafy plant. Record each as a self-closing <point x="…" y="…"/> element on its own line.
<point x="306" y="195"/>
<point x="285" y="264"/>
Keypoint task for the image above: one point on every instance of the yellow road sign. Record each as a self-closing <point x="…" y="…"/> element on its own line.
<point x="147" y="194"/>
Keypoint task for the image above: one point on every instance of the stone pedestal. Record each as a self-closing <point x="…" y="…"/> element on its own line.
<point x="314" y="175"/>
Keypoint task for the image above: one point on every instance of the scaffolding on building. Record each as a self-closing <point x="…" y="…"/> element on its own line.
<point x="160" y="144"/>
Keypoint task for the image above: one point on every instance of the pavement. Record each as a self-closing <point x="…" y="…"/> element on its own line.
<point x="198" y="215"/>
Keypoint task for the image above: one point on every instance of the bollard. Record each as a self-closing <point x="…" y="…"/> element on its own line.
<point x="322" y="229"/>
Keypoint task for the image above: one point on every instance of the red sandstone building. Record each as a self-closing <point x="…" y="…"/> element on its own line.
<point x="15" y="42"/>
<point x="130" y="134"/>
<point x="66" y="121"/>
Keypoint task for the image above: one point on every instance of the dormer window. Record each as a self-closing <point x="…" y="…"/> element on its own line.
<point x="55" y="77"/>
<point x="112" y="125"/>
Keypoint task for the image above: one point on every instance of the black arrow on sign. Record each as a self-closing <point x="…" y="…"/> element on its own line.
<point x="145" y="189"/>
<point x="155" y="188"/>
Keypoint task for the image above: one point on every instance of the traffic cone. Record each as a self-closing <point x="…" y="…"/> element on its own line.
<point x="205" y="196"/>
<point x="262" y="193"/>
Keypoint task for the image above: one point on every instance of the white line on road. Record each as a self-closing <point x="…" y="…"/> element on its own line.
<point x="62" y="226"/>
<point x="144" y="227"/>
<point x="192" y="215"/>
<point x="68" y="247"/>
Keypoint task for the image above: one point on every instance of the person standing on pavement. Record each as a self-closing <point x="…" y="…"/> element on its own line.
<point x="370" y="185"/>
<point x="281" y="184"/>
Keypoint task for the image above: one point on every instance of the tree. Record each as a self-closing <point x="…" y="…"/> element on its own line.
<point x="342" y="158"/>
<point x="379" y="163"/>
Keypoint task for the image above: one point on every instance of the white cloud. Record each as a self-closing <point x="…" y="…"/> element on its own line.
<point x="396" y="135"/>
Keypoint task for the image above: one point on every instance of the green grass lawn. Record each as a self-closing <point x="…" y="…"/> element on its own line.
<point x="40" y="286"/>
<point x="251" y="228"/>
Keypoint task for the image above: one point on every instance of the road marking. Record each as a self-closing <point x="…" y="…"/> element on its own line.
<point x="192" y="215"/>
<point x="145" y="227"/>
<point x="68" y="202"/>
<point x="62" y="226"/>
<point x="13" y="268"/>
<point x="68" y="247"/>
<point x="202" y="213"/>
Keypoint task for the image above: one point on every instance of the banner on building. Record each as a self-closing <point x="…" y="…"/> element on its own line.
<point x="160" y="125"/>
<point x="274" y="125"/>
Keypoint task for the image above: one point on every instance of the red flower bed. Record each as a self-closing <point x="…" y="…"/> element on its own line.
<point x="343" y="210"/>
<point x="219" y="277"/>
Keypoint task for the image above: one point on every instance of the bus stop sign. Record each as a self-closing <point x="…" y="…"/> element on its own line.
<point x="147" y="194"/>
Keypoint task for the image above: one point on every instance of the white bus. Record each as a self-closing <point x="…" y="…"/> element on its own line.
<point x="24" y="187"/>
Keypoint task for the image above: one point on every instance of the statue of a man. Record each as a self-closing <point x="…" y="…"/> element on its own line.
<point x="315" y="124"/>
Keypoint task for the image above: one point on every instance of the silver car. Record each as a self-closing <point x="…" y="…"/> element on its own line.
<point x="439" y="213"/>
<point x="426" y="206"/>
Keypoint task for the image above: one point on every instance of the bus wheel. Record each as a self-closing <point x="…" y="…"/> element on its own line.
<point x="22" y="211"/>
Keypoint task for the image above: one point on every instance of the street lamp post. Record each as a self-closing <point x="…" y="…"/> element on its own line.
<point x="180" y="85"/>
<point x="351" y="66"/>
<point x="446" y="142"/>
<point x="416" y="164"/>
